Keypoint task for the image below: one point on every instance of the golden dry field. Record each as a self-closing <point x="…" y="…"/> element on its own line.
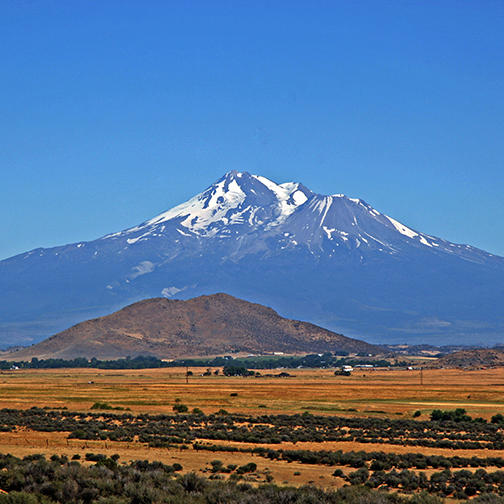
<point x="380" y="393"/>
<point x="393" y="393"/>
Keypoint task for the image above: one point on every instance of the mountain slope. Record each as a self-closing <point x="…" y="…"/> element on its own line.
<point x="207" y="325"/>
<point x="333" y="260"/>
<point x="479" y="357"/>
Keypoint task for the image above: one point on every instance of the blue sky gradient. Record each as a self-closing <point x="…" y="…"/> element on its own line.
<point x="114" y="111"/>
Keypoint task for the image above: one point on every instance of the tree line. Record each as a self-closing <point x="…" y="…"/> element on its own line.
<point x="326" y="360"/>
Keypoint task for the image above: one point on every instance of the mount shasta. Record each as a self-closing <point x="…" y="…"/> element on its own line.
<point x="331" y="260"/>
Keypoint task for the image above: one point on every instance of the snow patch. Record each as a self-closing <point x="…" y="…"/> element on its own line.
<point x="328" y="231"/>
<point x="204" y="209"/>
<point x="327" y="204"/>
<point x="299" y="198"/>
<point x="376" y="240"/>
<point x="288" y="195"/>
<point x="424" y="241"/>
<point x="131" y="241"/>
<point x="142" y="269"/>
<point x="112" y="235"/>
<point x="406" y="231"/>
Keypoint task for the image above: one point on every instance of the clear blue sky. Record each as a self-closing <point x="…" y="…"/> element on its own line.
<point x="113" y="111"/>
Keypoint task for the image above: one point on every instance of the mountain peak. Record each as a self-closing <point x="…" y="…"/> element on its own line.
<point x="239" y="176"/>
<point x="237" y="198"/>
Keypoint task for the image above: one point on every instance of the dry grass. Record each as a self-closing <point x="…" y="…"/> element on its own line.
<point x="396" y="394"/>
<point x="376" y="392"/>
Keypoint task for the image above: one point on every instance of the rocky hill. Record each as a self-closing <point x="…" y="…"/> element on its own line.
<point x="482" y="357"/>
<point x="206" y="325"/>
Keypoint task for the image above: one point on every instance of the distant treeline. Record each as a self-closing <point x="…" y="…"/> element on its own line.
<point x="142" y="362"/>
<point x="326" y="360"/>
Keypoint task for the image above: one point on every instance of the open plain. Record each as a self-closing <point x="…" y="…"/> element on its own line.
<point x="380" y="392"/>
<point x="377" y="393"/>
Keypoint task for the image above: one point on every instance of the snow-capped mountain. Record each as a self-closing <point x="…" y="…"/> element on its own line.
<point x="247" y="207"/>
<point x="329" y="259"/>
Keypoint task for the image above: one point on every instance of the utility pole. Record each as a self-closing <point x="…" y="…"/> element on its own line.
<point x="421" y="376"/>
<point x="187" y="375"/>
